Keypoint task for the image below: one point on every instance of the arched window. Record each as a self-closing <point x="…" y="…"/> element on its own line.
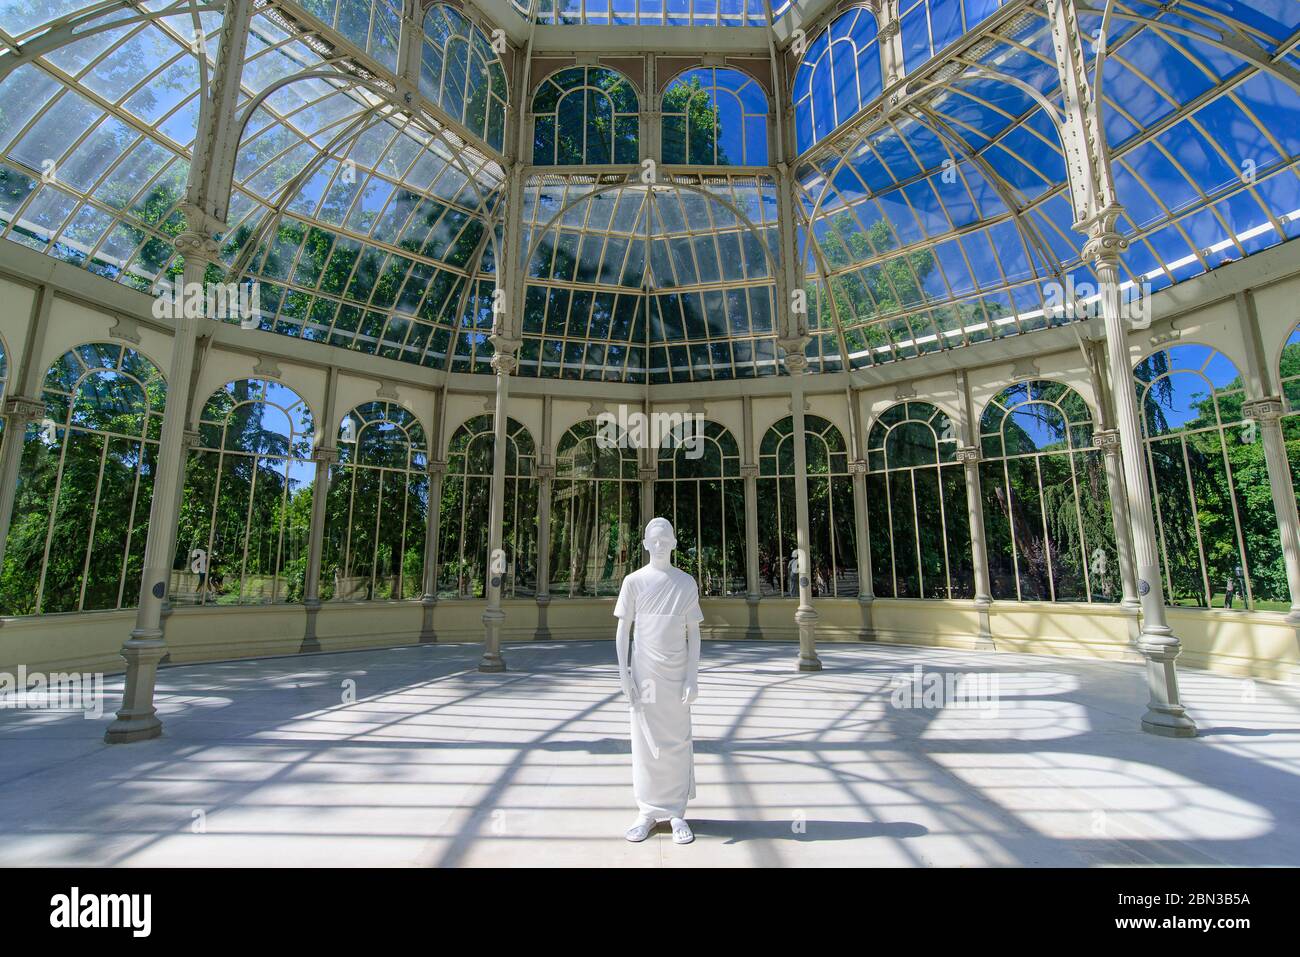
<point x="1217" y="528"/>
<point x="81" y="512"/>
<point x="373" y="25"/>
<point x="1289" y="375"/>
<point x="917" y="523"/>
<point x="700" y="491"/>
<point x="715" y="117"/>
<point x="246" y="511"/>
<point x="595" y="513"/>
<point x="1047" y="511"/>
<point x="460" y="72"/>
<point x="375" y="513"/>
<point x="466" y="497"/>
<point x="831" y="524"/>
<point x="838" y="75"/>
<point x="585" y="114"/>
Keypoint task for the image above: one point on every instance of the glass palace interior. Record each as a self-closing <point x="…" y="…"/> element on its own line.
<point x="985" y="312"/>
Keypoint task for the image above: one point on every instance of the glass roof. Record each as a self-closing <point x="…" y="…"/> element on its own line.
<point x="698" y="305"/>
<point x="673" y="13"/>
<point x="928" y="225"/>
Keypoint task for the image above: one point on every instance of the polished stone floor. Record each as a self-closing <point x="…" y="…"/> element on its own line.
<point x="409" y="756"/>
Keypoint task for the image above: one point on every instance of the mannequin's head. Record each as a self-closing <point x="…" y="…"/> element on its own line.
<point x="659" y="540"/>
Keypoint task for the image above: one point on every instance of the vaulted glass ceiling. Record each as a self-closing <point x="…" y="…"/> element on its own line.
<point x="930" y="209"/>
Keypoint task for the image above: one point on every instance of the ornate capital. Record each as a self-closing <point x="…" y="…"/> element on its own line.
<point x="648" y="474"/>
<point x="968" y="453"/>
<point x="325" y="455"/>
<point x="1104" y="243"/>
<point x="889" y="29"/>
<point x="198" y="241"/>
<point x="546" y="472"/>
<point x="796" y="363"/>
<point x="748" y="470"/>
<point x="1107" y="440"/>
<point x="436" y="466"/>
<point x="1265" y="411"/>
<point x="190" y="438"/>
<point x="21" y="410"/>
<point x="858" y="467"/>
<point x="505" y="358"/>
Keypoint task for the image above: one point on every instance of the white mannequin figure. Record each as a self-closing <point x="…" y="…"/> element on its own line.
<point x="661" y="682"/>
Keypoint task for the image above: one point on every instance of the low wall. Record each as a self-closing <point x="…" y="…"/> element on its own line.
<point x="1248" y="644"/>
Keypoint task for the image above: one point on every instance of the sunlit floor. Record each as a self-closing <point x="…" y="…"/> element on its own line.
<point x="431" y="763"/>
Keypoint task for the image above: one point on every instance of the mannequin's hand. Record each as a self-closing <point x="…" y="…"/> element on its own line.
<point x="689" y="692"/>
<point x="629" y="689"/>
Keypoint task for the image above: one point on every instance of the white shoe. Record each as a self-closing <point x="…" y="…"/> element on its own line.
<point x="639" y="831"/>
<point x="682" y="833"/>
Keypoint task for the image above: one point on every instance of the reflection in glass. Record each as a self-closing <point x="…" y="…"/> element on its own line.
<point x="715" y="117"/>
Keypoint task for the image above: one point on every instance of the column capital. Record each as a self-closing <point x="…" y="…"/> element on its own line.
<point x="436" y="467"/>
<point x="1107" y="440"/>
<point x="968" y="454"/>
<point x="858" y="467"/>
<point x="546" y="472"/>
<point x="748" y="470"/>
<point x="198" y="240"/>
<point x="190" y="438"/>
<point x="22" y="409"/>
<point x="1105" y="242"/>
<point x="1266" y="411"/>
<point x="648" y="474"/>
<point x="505" y="358"/>
<point x="796" y="363"/>
<point x="325" y="455"/>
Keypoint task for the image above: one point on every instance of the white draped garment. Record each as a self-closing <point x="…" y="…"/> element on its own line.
<point x="659" y="604"/>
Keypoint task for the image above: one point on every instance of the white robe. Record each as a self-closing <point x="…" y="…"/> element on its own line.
<point x="659" y="605"/>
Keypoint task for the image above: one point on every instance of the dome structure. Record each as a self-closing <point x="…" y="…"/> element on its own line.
<point x="955" y="322"/>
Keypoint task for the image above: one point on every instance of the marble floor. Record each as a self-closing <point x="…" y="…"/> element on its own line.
<point x="409" y="756"/>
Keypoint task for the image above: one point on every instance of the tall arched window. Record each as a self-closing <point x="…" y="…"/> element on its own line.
<point x="918" y="527"/>
<point x="1289" y="375"/>
<point x="81" y="513"/>
<point x="1047" y="511"/>
<point x="375" y="513"/>
<point x="1217" y="528"/>
<point x="700" y="491"/>
<point x="595" y="514"/>
<point x="715" y="117"/>
<point x="460" y="72"/>
<point x="466" y="497"/>
<point x="831" y="524"/>
<point x="583" y="115"/>
<point x="838" y="75"/>
<point x="246" y="511"/>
